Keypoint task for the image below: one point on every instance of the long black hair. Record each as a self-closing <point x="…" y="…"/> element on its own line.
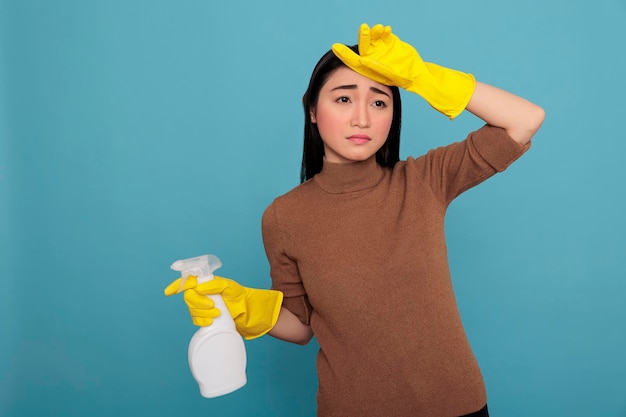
<point x="313" y="150"/>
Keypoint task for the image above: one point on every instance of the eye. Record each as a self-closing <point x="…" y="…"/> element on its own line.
<point x="343" y="99"/>
<point x="379" y="103"/>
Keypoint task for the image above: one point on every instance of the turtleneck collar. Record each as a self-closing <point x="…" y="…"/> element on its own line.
<point x="339" y="178"/>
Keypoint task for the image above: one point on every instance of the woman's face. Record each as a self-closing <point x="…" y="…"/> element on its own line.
<point x="353" y="116"/>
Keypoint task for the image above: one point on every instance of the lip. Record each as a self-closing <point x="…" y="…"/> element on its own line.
<point x="359" y="138"/>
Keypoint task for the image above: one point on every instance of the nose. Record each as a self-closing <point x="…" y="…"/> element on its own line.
<point x="360" y="116"/>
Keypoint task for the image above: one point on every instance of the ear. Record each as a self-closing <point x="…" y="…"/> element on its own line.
<point x="313" y="118"/>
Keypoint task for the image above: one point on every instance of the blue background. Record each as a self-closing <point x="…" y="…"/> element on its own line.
<point x="136" y="133"/>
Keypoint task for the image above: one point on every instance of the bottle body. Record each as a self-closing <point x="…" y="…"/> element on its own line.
<point x="217" y="355"/>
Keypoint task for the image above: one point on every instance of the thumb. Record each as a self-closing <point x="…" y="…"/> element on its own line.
<point x="175" y="287"/>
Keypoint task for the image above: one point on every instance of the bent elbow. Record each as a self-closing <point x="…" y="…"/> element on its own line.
<point x="536" y="119"/>
<point x="304" y="341"/>
<point x="528" y="125"/>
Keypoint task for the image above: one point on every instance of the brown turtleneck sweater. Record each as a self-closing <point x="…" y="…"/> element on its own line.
<point x="359" y="253"/>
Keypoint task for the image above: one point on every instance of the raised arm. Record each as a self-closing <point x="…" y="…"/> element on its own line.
<point x="383" y="57"/>
<point x="519" y="117"/>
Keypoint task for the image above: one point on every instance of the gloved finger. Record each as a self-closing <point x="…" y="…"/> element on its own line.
<point x="175" y="287"/>
<point x="219" y="285"/>
<point x="372" y="75"/>
<point x="202" y="321"/>
<point x="386" y="72"/>
<point x="353" y="61"/>
<point x="386" y="35"/>
<point x="204" y="314"/>
<point x="381" y="41"/>
<point x="364" y="39"/>
<point x="195" y="300"/>
<point x="346" y="55"/>
<point x="376" y="32"/>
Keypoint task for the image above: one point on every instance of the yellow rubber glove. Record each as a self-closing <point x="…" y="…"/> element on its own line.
<point x="384" y="58"/>
<point x="255" y="311"/>
<point x="201" y="308"/>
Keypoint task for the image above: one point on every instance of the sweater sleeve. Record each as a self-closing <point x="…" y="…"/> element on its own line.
<point x="496" y="147"/>
<point x="450" y="170"/>
<point x="284" y="269"/>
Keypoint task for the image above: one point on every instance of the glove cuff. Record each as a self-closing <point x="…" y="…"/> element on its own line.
<point x="267" y="304"/>
<point x="450" y="90"/>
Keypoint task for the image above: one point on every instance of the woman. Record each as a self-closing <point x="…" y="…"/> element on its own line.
<point x="357" y="251"/>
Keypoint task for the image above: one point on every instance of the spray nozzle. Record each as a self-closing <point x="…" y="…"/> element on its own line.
<point x="200" y="266"/>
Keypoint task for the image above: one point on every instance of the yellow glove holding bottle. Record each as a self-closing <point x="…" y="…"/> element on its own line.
<point x="384" y="58"/>
<point x="255" y="311"/>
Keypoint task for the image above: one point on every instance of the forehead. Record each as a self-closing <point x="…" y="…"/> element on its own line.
<point x="346" y="76"/>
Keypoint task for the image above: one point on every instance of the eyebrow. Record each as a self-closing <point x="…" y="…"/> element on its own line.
<point x="354" y="87"/>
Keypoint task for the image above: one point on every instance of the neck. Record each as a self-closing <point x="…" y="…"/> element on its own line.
<point x="349" y="177"/>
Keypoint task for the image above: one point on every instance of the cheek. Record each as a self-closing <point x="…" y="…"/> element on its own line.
<point x="384" y="126"/>
<point x="327" y="123"/>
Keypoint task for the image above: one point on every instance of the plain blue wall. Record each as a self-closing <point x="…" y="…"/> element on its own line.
<point x="136" y="133"/>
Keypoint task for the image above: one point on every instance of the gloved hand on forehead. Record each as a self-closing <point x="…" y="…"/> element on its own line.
<point x="384" y="58"/>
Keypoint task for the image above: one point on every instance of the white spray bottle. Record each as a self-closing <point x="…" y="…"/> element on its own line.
<point x="217" y="354"/>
